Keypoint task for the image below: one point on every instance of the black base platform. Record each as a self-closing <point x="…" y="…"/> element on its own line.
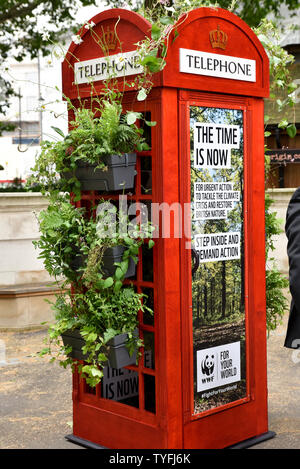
<point x="253" y="441"/>
<point x="242" y="445"/>
<point x="81" y="442"/>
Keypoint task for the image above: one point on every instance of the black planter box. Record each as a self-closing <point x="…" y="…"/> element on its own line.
<point x="118" y="355"/>
<point x="110" y="256"/>
<point x="78" y="259"/>
<point x="119" y="175"/>
<point x="146" y="180"/>
<point x="115" y="254"/>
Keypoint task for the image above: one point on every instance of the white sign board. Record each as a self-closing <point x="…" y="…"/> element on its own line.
<point x="218" y="366"/>
<point x="216" y="65"/>
<point x="123" y="383"/>
<point x="119" y="384"/>
<point x="213" y="200"/>
<point x="213" y="144"/>
<point x="214" y="247"/>
<point x="112" y="66"/>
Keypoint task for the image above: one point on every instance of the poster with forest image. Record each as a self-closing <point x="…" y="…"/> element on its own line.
<point x="217" y="235"/>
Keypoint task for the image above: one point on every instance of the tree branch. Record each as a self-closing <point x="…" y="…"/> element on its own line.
<point x="19" y="12"/>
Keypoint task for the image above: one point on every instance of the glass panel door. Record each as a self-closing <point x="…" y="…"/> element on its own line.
<point x="217" y="243"/>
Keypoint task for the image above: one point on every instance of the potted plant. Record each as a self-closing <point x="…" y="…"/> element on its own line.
<point x="98" y="328"/>
<point x="72" y="243"/>
<point x="97" y="154"/>
<point x="98" y="319"/>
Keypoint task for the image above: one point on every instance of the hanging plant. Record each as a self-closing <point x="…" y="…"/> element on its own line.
<point x="100" y="306"/>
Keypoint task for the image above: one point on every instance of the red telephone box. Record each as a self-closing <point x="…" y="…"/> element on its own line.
<point x="201" y="379"/>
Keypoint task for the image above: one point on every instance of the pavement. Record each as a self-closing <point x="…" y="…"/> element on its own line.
<point x="36" y="396"/>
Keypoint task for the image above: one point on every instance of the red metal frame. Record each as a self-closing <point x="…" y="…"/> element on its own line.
<point x="131" y="29"/>
<point x="115" y="425"/>
<point x="242" y="42"/>
<point x="255" y="372"/>
<point x="150" y="430"/>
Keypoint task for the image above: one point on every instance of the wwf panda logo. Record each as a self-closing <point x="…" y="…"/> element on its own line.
<point x="208" y="365"/>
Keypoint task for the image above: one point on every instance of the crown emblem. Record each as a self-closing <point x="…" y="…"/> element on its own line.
<point x="109" y="39"/>
<point x="218" y="38"/>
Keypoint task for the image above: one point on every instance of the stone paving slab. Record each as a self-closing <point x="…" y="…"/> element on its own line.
<point x="283" y="393"/>
<point x="35" y="395"/>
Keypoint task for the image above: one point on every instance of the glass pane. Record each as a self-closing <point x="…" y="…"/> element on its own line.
<point x="146" y="175"/>
<point x="217" y="234"/>
<point x="149" y="350"/>
<point x="120" y="385"/>
<point x="149" y="393"/>
<point x="147" y="264"/>
<point x="145" y="206"/>
<point x="88" y="389"/>
<point x="148" y="318"/>
<point x="146" y="128"/>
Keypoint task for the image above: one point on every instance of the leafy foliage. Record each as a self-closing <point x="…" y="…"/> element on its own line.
<point x="276" y="282"/>
<point x="277" y="304"/>
<point x="251" y="11"/>
<point x="282" y="86"/>
<point x="165" y="16"/>
<point x="23" y="30"/>
<point x="90" y="140"/>
<point x="17" y="185"/>
<point x="99" y="306"/>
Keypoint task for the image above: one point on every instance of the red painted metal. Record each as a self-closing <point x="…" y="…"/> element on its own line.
<point x="130" y="27"/>
<point x="193" y="33"/>
<point x="115" y="425"/>
<point x="10" y="180"/>
<point x="247" y="417"/>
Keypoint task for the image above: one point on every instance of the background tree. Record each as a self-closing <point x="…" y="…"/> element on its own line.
<point x="251" y="11"/>
<point x="26" y="28"/>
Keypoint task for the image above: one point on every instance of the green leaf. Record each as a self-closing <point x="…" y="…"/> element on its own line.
<point x="108" y="282"/>
<point x="124" y="266"/>
<point x="101" y="357"/>
<point x="118" y="286"/>
<point x="151" y="123"/>
<point x="292" y="87"/>
<point x="280" y="83"/>
<point x="153" y="52"/>
<point x="155" y="32"/>
<point x="267" y="134"/>
<point x="96" y="372"/>
<point x="119" y="273"/>
<point x="151" y="244"/>
<point x="166" y="20"/>
<point x="176" y="34"/>
<point x="142" y="146"/>
<point x="131" y="117"/>
<point x="92" y="337"/>
<point x="57" y="130"/>
<point x="291" y="130"/>
<point x="109" y="334"/>
<point x="142" y="95"/>
<point x="283" y="124"/>
<point x="154" y="64"/>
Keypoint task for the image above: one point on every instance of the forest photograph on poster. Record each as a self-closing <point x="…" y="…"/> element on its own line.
<point x="218" y="294"/>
